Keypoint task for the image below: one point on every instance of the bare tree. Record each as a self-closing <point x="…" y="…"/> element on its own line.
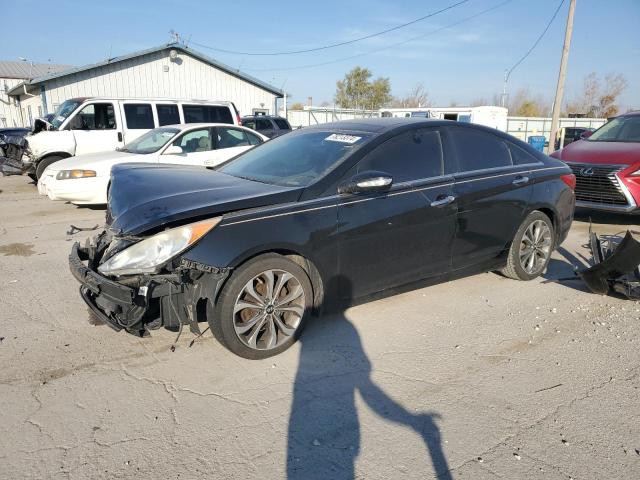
<point x="478" y="102"/>
<point x="597" y="98"/>
<point x="297" y="106"/>
<point x="417" y="97"/>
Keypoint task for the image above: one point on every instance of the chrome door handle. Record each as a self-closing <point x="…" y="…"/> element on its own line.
<point x="520" y="180"/>
<point x="443" y="201"/>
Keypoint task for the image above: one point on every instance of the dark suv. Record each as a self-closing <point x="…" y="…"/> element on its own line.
<point x="267" y="125"/>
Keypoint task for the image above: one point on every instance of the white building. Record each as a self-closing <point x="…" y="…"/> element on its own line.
<point x="12" y="74"/>
<point x="168" y="71"/>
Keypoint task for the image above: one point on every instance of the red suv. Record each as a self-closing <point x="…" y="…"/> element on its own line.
<point x="607" y="165"/>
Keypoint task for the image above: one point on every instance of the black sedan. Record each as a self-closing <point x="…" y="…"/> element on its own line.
<point x="335" y="211"/>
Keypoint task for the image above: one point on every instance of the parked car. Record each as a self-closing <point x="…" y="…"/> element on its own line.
<point x="84" y="179"/>
<point x="607" y="165"/>
<point x="334" y="211"/>
<point x="571" y="134"/>
<point x="269" y="126"/>
<point x="14" y="131"/>
<point x="99" y="124"/>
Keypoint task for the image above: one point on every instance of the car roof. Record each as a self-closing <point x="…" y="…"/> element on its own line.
<point x="633" y="113"/>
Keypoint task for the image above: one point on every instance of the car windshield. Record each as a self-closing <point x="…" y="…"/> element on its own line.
<point x="151" y="141"/>
<point x="621" y="129"/>
<point x="294" y="160"/>
<point x="63" y="111"/>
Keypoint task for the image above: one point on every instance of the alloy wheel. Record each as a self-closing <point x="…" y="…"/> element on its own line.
<point x="535" y="247"/>
<point x="269" y="309"/>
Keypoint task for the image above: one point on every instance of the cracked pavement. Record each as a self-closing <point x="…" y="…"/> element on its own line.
<point x="478" y="378"/>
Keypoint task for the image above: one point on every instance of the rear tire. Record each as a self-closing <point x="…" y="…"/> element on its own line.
<point x="262" y="309"/>
<point x="531" y="248"/>
<point x="44" y="163"/>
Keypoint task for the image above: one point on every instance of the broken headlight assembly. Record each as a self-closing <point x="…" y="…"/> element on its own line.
<point x="148" y="255"/>
<point x="67" y="174"/>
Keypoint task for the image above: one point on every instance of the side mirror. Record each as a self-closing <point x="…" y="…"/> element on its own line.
<point x="173" y="150"/>
<point x="586" y="134"/>
<point x="367" y="182"/>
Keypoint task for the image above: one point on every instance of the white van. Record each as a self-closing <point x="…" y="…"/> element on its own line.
<point x="97" y="124"/>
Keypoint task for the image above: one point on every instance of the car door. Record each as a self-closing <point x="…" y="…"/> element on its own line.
<point x="404" y="234"/>
<point x="197" y="148"/>
<point x="229" y="142"/>
<point x="491" y="192"/>
<point x="95" y="128"/>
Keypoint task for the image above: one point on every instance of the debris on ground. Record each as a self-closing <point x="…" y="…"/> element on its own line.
<point x="616" y="264"/>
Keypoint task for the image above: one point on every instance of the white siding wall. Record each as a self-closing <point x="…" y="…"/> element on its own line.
<point x="187" y="78"/>
<point x="9" y="112"/>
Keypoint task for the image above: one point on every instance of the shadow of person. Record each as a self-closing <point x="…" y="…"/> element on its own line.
<point x="324" y="430"/>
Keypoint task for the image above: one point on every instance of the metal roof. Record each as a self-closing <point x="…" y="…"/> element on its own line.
<point x="169" y="46"/>
<point x="26" y="70"/>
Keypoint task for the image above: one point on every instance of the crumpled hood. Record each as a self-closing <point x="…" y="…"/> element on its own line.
<point x="613" y="153"/>
<point x="144" y="197"/>
<point x="101" y="162"/>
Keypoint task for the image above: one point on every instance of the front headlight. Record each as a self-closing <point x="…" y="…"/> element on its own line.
<point x="66" y="174"/>
<point x="149" y="254"/>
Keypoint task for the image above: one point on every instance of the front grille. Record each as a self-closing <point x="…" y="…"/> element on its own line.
<point x="601" y="187"/>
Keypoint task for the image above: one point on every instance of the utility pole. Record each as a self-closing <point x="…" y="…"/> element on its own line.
<point x="557" y="104"/>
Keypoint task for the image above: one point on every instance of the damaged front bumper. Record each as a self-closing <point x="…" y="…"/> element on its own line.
<point x="14" y="156"/>
<point x="139" y="303"/>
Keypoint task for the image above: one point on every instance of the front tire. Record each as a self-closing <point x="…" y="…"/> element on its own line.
<point x="531" y="249"/>
<point x="44" y="163"/>
<point x="262" y="309"/>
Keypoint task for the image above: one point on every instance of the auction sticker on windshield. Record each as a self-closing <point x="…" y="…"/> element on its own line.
<point x="338" y="137"/>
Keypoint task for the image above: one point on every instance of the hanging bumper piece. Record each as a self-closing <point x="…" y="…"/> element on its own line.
<point x="616" y="265"/>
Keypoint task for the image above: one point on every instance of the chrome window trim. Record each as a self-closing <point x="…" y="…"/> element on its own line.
<point x="391" y="194"/>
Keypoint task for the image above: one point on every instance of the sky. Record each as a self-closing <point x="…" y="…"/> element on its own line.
<point x="459" y="64"/>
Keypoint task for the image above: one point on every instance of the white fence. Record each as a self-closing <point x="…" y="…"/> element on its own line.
<point x="314" y="116"/>
<point x="519" y="127"/>
<point x="524" y="127"/>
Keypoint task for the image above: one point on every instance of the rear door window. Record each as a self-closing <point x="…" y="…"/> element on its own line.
<point x="477" y="150"/>
<point x="168" y="115"/>
<point x="249" y="123"/>
<point x="234" y="137"/>
<point x="520" y="156"/>
<point x="282" y="123"/>
<point x="138" y="116"/>
<point x="411" y="155"/>
<point x="207" y="113"/>
<point x="263" y="124"/>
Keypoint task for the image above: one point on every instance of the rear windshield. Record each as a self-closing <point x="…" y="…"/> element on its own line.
<point x="621" y="129"/>
<point x="296" y="159"/>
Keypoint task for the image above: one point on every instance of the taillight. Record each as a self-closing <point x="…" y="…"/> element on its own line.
<point x="570" y="180"/>
<point x="238" y="118"/>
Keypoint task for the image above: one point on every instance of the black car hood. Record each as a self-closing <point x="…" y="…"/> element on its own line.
<point x="145" y="197"/>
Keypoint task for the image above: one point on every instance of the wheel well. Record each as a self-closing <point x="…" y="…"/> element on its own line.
<point x="552" y="216"/>
<point x="54" y="154"/>
<point x="307" y="265"/>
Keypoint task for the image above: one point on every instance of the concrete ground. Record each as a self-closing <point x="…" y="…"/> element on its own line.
<point x="478" y="378"/>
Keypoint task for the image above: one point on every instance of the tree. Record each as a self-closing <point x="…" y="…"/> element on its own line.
<point x="417" y="97"/>
<point x="357" y="91"/>
<point x="598" y="99"/>
<point x="297" y="106"/>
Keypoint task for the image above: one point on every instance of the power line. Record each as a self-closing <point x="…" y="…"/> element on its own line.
<point x="535" y="44"/>
<point x="432" y="32"/>
<point x="333" y="45"/>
